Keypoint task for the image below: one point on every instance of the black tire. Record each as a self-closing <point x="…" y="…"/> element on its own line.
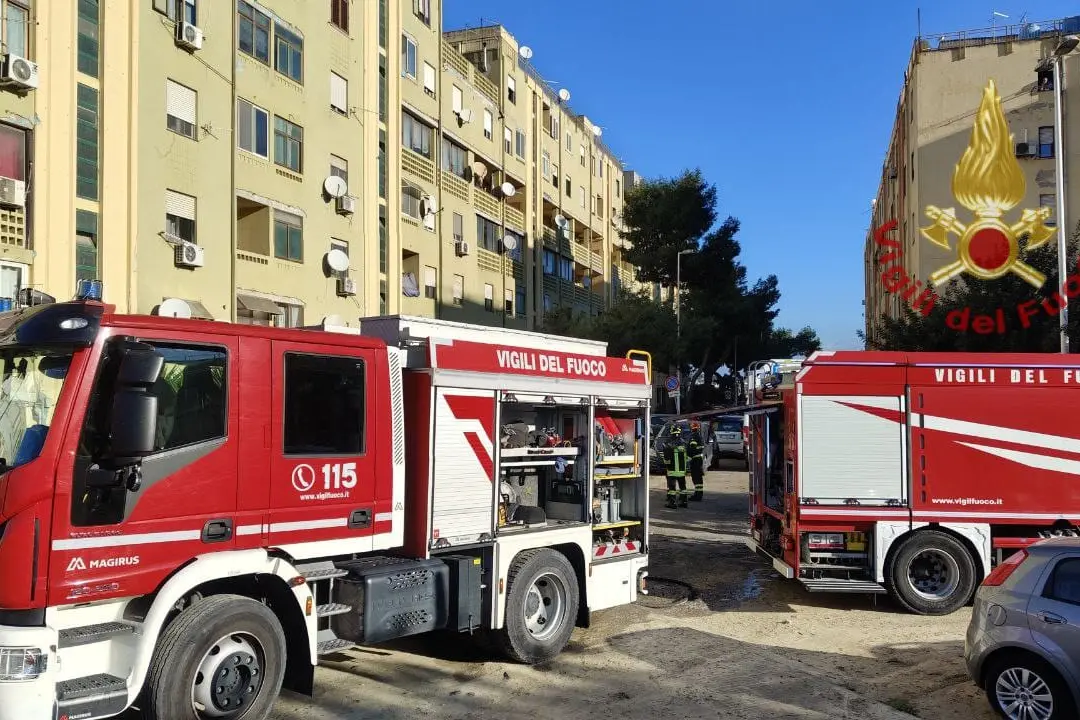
<point x="943" y="568"/>
<point x="515" y="639"/>
<point x="188" y="642"/>
<point x="1007" y="668"/>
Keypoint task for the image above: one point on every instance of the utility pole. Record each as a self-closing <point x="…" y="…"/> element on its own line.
<point x="1064" y="47"/>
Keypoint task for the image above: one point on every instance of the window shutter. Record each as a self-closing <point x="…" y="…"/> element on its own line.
<point x="488" y="292"/>
<point x="429" y="276"/>
<point x="339" y="92"/>
<point x="180" y="101"/>
<point x="429" y="78"/>
<point x="487" y="122"/>
<point x="457" y="99"/>
<point x="180" y="205"/>
<point x="510" y="84"/>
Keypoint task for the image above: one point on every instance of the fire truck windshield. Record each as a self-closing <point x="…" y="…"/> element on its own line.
<point x="30" y="382"/>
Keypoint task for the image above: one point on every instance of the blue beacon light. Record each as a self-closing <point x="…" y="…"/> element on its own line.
<point x="89" y="290"/>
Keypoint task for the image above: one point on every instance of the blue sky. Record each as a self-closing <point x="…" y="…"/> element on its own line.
<point x="785" y="106"/>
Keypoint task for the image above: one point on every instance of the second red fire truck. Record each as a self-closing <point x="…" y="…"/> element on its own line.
<point x="192" y="512"/>
<point x="913" y="474"/>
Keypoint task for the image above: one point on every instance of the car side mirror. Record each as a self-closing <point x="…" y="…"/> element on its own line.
<point x="134" y="409"/>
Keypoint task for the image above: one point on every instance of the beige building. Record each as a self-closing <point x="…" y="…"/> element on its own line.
<point x="942" y="89"/>
<point x="274" y="166"/>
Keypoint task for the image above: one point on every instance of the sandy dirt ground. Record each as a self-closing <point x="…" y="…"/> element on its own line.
<point x="749" y="645"/>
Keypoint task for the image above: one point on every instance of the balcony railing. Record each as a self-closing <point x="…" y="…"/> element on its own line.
<point x="455" y="186"/>
<point x="417" y="165"/>
<point x="486" y="204"/>
<point x="515" y="218"/>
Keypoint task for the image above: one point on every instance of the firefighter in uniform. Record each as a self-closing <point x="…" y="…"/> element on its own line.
<point x="695" y="451"/>
<point x="675" y="469"/>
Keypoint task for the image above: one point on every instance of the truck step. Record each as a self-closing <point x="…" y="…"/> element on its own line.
<point x="840" y="585"/>
<point x="87" y="634"/>
<point x="330" y="609"/>
<point x="327" y="642"/>
<point x="326" y="570"/>
<point x="93" y="696"/>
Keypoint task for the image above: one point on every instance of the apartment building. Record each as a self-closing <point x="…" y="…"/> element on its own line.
<point x="942" y="89"/>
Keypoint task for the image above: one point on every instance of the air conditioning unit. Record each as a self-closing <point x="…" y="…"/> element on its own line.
<point x="461" y="247"/>
<point x="20" y="71"/>
<point x="345" y="204"/>
<point x="188" y="254"/>
<point x="346" y="287"/>
<point x="1026" y="149"/>
<point x="189" y="36"/>
<point x="12" y="192"/>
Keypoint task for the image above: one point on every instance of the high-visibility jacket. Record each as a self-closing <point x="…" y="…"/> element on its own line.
<point x="695" y="450"/>
<point x="675" y="460"/>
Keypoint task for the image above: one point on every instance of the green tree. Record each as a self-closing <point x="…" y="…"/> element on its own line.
<point x="944" y="329"/>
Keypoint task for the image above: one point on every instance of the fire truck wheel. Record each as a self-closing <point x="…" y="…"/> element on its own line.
<point x="932" y="574"/>
<point x="541" y="606"/>
<point x="220" y="659"/>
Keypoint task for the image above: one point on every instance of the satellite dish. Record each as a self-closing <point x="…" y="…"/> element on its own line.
<point x="479" y="169"/>
<point x="564" y="95"/>
<point x="561" y="222"/>
<point x="333" y="320"/>
<point x="335" y="186"/>
<point x="525" y="52"/>
<point x="597" y="130"/>
<point x="427" y="205"/>
<point x="174" y="307"/>
<point x="337" y="260"/>
<point x="509" y="242"/>
<point x="508" y="189"/>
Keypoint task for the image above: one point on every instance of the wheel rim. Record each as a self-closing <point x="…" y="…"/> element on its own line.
<point x="545" y="603"/>
<point x="1023" y="695"/>
<point x="934" y="574"/>
<point x="229" y="677"/>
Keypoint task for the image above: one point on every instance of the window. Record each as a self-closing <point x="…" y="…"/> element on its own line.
<point x="511" y="89"/>
<point x="569" y="190"/>
<point x="549" y="262"/>
<point x="429" y="79"/>
<point x="86" y="245"/>
<point x="410" y="202"/>
<point x="339" y="167"/>
<point x="415" y="135"/>
<point x="180" y="109"/>
<point x="86" y="153"/>
<point x="384" y="241"/>
<point x="1064" y="583"/>
<point x="601" y="163"/>
<point x="288" y="236"/>
<point x="191" y="395"/>
<point x="429" y="282"/>
<point x="12" y="152"/>
<point x="183" y="10"/>
<point x="1046" y="142"/>
<point x="253" y="32"/>
<point x="89" y="38"/>
<point x="288" y="144"/>
<point x="508" y="301"/>
<point x="408" y="56"/>
<point x="487" y="234"/>
<point x="1050" y="201"/>
<point x="457" y="100"/>
<point x="382" y="164"/>
<point x="339" y="14"/>
<point x="599" y="210"/>
<point x="251" y="126"/>
<point x="515" y="254"/>
<point x="508" y="140"/>
<point x="488" y="121"/>
<point x="454" y="157"/>
<point x="325" y="402"/>
<point x="618" y="188"/>
<point x="288" y="53"/>
<point x="581" y="195"/>
<point x="422" y="9"/>
<point x="519" y="147"/>
<point x="336" y="244"/>
<point x="545" y="164"/>
<point x="383" y="14"/>
<point x="555" y="176"/>
<point x="459" y="227"/>
<point x="582" y="156"/>
<point x="459" y="289"/>
<point x="566" y="268"/>
<point x="520" y="296"/>
<point x="339" y="93"/>
<point x="547" y="303"/>
<point x="180" y="216"/>
<point x="383" y="88"/>
<point x="554" y="127"/>
<point x="489" y="297"/>
<point x="569" y="143"/>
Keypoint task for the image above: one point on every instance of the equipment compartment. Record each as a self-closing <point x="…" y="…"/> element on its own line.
<point x="391" y="598"/>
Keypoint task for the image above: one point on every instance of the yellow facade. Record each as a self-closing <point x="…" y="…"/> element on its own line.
<point x="217" y="152"/>
<point x="943" y="86"/>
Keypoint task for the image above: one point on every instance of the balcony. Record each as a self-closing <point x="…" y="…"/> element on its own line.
<point x="454" y="185"/>
<point x="486" y="204"/>
<point x="515" y="218"/>
<point x="467" y="71"/>
<point x="417" y="165"/>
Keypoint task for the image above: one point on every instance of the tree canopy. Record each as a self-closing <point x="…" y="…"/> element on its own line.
<point x="1021" y="318"/>
<point x="725" y="320"/>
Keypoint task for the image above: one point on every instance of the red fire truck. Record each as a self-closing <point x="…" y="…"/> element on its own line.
<point x="913" y="473"/>
<point x="192" y="512"/>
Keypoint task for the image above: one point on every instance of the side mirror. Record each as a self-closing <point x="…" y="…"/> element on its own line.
<point x="134" y="410"/>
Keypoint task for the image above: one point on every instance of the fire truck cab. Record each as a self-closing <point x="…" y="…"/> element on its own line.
<point x="192" y="512"/>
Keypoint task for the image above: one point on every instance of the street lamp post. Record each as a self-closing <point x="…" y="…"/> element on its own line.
<point x="678" y="325"/>
<point x="1063" y="48"/>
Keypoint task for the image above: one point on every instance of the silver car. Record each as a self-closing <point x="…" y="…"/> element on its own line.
<point x="1023" y="642"/>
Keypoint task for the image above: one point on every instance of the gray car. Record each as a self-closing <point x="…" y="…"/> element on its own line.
<point x="1023" y="642"/>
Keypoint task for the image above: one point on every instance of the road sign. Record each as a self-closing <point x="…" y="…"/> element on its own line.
<point x="672" y="383"/>
<point x="673" y="393"/>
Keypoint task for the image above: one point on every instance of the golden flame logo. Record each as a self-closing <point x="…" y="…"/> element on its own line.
<point x="988" y="181"/>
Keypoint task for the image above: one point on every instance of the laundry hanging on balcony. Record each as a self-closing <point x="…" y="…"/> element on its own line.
<point x="409" y="286"/>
